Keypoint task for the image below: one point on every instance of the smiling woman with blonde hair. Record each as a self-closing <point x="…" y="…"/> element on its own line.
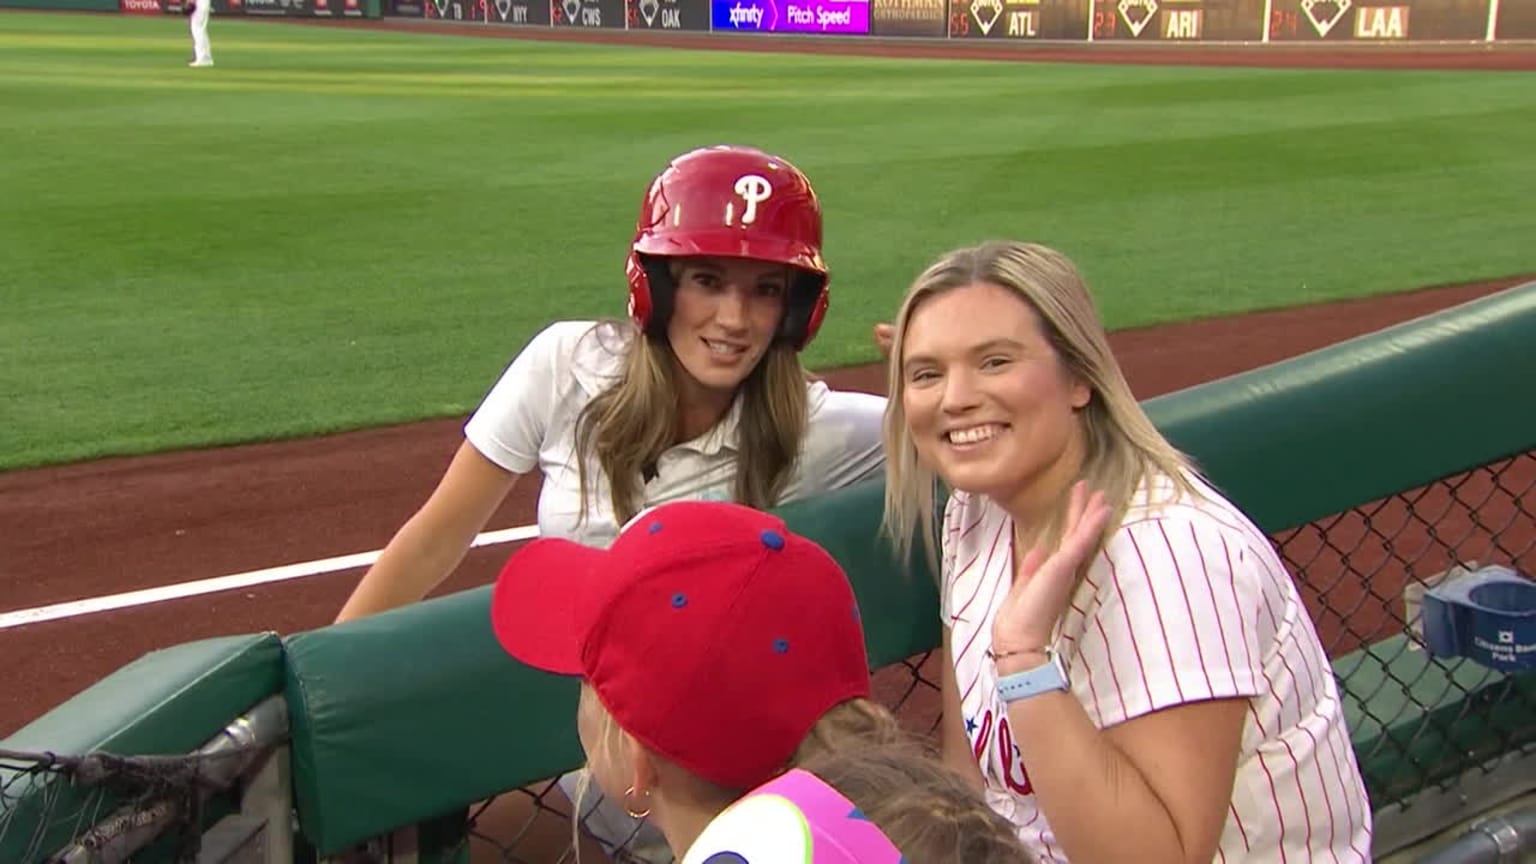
<point x="1158" y="668"/>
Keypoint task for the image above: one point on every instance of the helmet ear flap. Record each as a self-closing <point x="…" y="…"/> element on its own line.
<point x="805" y="309"/>
<point x="639" y="290"/>
<point x="651" y="290"/>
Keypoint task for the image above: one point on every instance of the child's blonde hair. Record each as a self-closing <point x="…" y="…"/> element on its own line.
<point x="850" y="726"/>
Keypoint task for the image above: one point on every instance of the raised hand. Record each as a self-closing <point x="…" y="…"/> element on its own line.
<point x="1045" y="583"/>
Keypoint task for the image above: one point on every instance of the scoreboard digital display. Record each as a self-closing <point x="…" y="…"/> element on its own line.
<point x="590" y="14"/>
<point x="1215" y="21"/>
<point x="1377" y="20"/>
<point x="667" y="14"/>
<point x="1019" y="19"/>
<point x="790" y="16"/>
<point x="517" y="12"/>
<point x="456" y="10"/>
<point x="1178" y="20"/>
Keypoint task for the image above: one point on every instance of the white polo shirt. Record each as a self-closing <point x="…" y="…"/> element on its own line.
<point x="1188" y="601"/>
<point x="528" y="420"/>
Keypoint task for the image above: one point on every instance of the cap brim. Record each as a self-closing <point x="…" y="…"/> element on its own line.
<point x="541" y="605"/>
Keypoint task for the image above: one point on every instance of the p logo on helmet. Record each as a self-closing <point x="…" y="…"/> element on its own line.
<point x="753" y="190"/>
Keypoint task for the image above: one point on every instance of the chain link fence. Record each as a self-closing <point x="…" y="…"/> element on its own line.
<point x="1360" y="573"/>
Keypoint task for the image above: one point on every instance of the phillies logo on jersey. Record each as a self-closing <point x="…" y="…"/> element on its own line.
<point x="994" y="749"/>
<point x="753" y="189"/>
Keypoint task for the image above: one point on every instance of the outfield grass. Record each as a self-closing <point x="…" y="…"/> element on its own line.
<point x="334" y="229"/>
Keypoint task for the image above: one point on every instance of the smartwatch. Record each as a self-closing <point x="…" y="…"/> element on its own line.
<point x="1048" y="676"/>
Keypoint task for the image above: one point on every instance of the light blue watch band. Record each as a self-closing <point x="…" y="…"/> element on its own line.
<point x="1042" y="679"/>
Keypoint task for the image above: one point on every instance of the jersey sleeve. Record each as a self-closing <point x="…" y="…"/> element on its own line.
<point x="843" y="441"/>
<point x="509" y="426"/>
<point x="1172" y="620"/>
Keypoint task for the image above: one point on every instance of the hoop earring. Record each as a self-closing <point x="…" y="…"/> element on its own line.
<point x="642" y="814"/>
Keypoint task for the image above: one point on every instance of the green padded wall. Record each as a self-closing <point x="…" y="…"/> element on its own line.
<point x="1362" y="419"/>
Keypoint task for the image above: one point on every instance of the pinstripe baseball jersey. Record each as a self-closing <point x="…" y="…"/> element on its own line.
<point x="1188" y="601"/>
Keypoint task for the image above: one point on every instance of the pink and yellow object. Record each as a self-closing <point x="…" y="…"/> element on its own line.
<point x="793" y="819"/>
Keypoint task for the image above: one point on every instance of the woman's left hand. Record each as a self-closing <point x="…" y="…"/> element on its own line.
<point x="884" y="334"/>
<point x="1044" y="585"/>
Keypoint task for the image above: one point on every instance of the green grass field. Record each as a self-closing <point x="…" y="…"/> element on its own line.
<point x="333" y="229"/>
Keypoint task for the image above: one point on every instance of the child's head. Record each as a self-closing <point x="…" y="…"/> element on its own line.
<point x="870" y="805"/>
<point x="615" y="758"/>
<point x="714" y="647"/>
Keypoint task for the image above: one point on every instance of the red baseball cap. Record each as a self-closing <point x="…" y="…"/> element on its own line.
<point x="711" y="633"/>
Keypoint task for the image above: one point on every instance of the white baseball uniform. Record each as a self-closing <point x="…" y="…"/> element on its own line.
<point x="202" y="52"/>
<point x="1189" y="601"/>
<point x="528" y="420"/>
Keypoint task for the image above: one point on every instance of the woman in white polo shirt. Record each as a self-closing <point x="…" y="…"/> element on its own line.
<point x="1156" y="691"/>
<point x="700" y="395"/>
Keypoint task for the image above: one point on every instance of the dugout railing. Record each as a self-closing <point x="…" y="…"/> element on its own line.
<point x="1378" y="465"/>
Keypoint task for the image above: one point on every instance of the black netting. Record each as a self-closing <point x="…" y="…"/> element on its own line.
<point x="1419" y="721"/>
<point x="101" y="806"/>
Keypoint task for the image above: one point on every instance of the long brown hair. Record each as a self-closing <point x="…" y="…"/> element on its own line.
<point x="629" y="425"/>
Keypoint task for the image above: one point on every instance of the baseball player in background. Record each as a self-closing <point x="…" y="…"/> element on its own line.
<point x="1161" y="671"/>
<point x="699" y="394"/>
<point x="198" y="12"/>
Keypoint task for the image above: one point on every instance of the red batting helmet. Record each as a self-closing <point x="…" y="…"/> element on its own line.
<point x="730" y="202"/>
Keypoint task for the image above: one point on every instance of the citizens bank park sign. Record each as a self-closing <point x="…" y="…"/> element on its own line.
<point x="1222" y="21"/>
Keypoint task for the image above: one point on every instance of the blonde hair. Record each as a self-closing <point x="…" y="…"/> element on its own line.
<point x="1123" y="449"/>
<point x="858" y="748"/>
<point x="630" y="424"/>
<point x="927" y="811"/>
<point x="849" y="726"/>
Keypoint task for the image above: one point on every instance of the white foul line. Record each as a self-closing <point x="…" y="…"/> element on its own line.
<point x="145" y="596"/>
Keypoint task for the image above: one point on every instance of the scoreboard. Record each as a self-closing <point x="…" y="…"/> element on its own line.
<point x="666" y="15"/>
<point x="1377" y="20"/>
<point x="607" y="14"/>
<point x="1231" y="20"/>
<point x="1113" y="21"/>
<point x="1179" y="20"/>
<point x="1018" y="19"/>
